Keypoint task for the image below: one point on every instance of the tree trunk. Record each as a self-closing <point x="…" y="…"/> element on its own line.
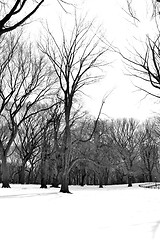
<point x="100" y="181"/>
<point x="30" y="175"/>
<point x="22" y="174"/>
<point x="43" y="173"/>
<point x="129" y="181"/>
<point x="65" y="183"/>
<point x="83" y="178"/>
<point x="150" y="177"/>
<point x="94" y="179"/>
<point x="44" y="160"/>
<point x="66" y="145"/>
<point x="66" y="154"/>
<point x="5" y="172"/>
<point x="106" y="177"/>
<point x="43" y="183"/>
<point x="55" y="182"/>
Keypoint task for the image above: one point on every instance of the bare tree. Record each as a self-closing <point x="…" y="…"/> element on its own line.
<point x="149" y="151"/>
<point x="27" y="142"/>
<point x="126" y="141"/>
<point x="96" y="151"/>
<point x="75" y="62"/>
<point x="24" y="82"/>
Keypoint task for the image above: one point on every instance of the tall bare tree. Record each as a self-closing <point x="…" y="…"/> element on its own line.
<point x="76" y="62"/>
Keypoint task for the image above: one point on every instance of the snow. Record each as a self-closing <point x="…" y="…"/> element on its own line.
<point x="111" y="213"/>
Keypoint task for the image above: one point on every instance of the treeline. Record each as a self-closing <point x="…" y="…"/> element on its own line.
<point x="114" y="152"/>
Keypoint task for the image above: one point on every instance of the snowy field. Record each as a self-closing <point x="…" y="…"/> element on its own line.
<point x="112" y="213"/>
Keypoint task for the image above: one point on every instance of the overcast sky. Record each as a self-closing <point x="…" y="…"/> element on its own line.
<point x="125" y="100"/>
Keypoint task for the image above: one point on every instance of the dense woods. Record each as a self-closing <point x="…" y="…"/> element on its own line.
<point x="121" y="151"/>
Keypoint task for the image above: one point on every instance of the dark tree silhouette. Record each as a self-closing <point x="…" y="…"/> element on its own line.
<point x="73" y="61"/>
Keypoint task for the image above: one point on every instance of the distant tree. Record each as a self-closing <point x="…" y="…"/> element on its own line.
<point x="27" y="142"/>
<point x="148" y="151"/>
<point x="92" y="151"/>
<point x="125" y="136"/>
<point x="100" y="152"/>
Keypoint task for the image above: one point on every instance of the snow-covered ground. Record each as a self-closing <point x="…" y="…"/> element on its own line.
<point x="112" y="213"/>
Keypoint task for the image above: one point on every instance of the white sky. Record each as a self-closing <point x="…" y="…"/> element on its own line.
<point x="125" y="101"/>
